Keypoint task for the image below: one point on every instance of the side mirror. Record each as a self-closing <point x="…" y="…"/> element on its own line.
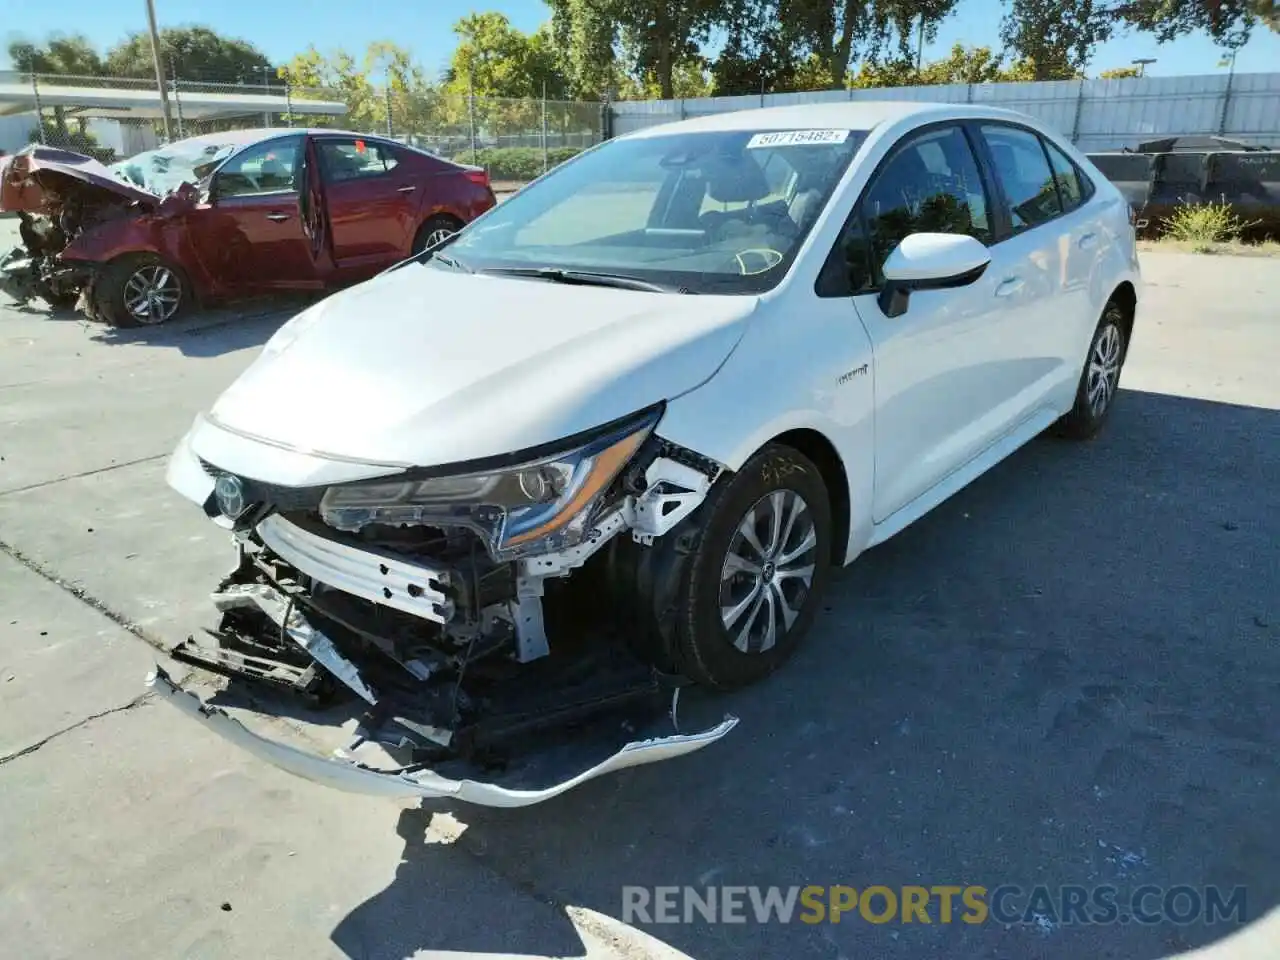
<point x="930" y="261"/>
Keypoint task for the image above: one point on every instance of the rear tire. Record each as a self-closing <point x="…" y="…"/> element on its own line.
<point x="758" y="561"/>
<point x="140" y="290"/>
<point x="433" y="230"/>
<point x="1100" y="378"/>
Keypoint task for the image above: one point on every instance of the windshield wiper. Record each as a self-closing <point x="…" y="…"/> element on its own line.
<point x="445" y="261"/>
<point x="586" y="278"/>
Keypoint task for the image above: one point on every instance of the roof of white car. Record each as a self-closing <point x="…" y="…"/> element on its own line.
<point x="841" y="115"/>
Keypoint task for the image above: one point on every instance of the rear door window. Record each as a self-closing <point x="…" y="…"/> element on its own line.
<point x="1024" y="174"/>
<point x="354" y="159"/>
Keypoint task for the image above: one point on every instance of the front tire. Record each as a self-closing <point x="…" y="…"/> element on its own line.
<point x="140" y="290"/>
<point x="757" y="571"/>
<point x="1100" y="378"/>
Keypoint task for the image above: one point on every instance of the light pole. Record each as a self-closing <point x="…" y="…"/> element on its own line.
<point x="920" y="49"/>
<point x="1141" y="64"/>
<point x="155" y="56"/>
<point x="1230" y="62"/>
<point x="266" y="88"/>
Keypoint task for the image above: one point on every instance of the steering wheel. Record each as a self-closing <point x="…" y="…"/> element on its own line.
<point x="769" y="257"/>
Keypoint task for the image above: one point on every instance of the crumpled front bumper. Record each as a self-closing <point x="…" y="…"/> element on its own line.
<point x="345" y="773"/>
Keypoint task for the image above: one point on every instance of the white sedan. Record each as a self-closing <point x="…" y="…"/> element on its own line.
<point x="611" y="439"/>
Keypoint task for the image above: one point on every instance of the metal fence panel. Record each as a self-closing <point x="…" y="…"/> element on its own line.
<point x="1096" y="114"/>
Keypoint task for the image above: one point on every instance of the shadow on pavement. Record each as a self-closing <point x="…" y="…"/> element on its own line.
<point x="211" y="333"/>
<point x="1065" y="675"/>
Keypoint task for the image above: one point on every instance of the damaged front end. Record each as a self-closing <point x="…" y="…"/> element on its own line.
<point x="34" y="270"/>
<point x="441" y="610"/>
<point x="58" y="196"/>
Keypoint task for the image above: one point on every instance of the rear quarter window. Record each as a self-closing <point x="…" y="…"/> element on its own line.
<point x="1074" y="186"/>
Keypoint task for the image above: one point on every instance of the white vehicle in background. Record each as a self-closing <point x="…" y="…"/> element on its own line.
<point x="612" y="438"/>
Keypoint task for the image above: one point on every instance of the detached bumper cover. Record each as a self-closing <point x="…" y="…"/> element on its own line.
<point x="344" y="773"/>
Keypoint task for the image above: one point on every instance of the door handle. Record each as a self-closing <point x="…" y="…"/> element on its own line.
<point x="1087" y="241"/>
<point x="278" y="217"/>
<point x="1009" y="286"/>
<point x="405" y="189"/>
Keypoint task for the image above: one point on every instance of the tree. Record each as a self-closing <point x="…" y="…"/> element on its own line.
<point x="603" y="40"/>
<point x="1229" y="22"/>
<point x="689" y="78"/>
<point x="1268" y="11"/>
<point x="412" y="100"/>
<point x="506" y="71"/>
<point x="494" y="59"/>
<point x="763" y="53"/>
<point x="810" y="44"/>
<point x="966" y="65"/>
<point x="316" y="76"/>
<point x="962" y="65"/>
<point x="196" y="53"/>
<point x="1057" y="36"/>
<point x="68" y="56"/>
<point x="72" y="56"/>
<point x="1120" y="73"/>
<point x="584" y="35"/>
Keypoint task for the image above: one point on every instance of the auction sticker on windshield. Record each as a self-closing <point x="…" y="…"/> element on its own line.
<point x="791" y="138"/>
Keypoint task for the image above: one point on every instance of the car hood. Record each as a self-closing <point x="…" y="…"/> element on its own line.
<point x="422" y="366"/>
<point x="30" y="179"/>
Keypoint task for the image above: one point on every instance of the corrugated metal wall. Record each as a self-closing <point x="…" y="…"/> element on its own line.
<point x="1096" y="114"/>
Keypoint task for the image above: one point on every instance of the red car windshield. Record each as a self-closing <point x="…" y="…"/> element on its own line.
<point x="163" y="170"/>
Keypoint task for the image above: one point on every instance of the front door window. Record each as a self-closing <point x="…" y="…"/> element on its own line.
<point x="271" y="167"/>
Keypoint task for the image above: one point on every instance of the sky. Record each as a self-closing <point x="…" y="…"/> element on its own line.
<point x="281" y="28"/>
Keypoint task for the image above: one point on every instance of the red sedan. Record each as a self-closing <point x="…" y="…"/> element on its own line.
<point x="225" y="215"/>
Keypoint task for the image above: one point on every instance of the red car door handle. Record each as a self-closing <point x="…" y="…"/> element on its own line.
<point x="278" y="217"/>
<point x="405" y="189"/>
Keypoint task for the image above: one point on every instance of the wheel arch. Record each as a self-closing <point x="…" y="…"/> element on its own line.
<point x="169" y="261"/>
<point x="105" y="273"/>
<point x="437" y="213"/>
<point x="818" y="448"/>
<point x="1125" y="296"/>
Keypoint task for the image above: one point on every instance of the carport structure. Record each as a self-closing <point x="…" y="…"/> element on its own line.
<point x="106" y="99"/>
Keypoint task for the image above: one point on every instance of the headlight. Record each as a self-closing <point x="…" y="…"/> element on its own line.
<point x="533" y="507"/>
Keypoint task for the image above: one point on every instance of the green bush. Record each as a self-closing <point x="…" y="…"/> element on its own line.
<point x="1205" y="223"/>
<point x="516" y="163"/>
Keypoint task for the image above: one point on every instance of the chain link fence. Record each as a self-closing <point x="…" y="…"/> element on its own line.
<point x="111" y="118"/>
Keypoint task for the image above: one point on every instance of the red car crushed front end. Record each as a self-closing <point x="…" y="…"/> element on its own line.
<point x="261" y="212"/>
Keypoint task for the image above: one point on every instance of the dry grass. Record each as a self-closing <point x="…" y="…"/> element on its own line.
<point x="1270" y="248"/>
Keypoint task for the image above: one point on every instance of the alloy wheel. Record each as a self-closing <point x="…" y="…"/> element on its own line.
<point x="1104" y="369"/>
<point x="768" y="571"/>
<point x="152" y="294"/>
<point x="438" y="235"/>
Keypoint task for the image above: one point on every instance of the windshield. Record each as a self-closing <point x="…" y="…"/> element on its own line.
<point x="166" y="168"/>
<point x="715" y="212"/>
